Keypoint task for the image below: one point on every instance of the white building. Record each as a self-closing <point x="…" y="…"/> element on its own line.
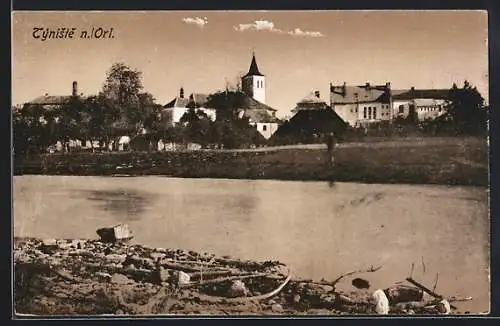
<point x="173" y="111"/>
<point x="360" y="105"/>
<point x="427" y="103"/>
<point x="254" y="83"/>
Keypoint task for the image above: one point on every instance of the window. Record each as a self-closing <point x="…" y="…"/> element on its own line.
<point x="401" y="109"/>
<point x="364" y="113"/>
<point x="369" y="112"/>
<point x="374" y="113"/>
<point x="264" y="128"/>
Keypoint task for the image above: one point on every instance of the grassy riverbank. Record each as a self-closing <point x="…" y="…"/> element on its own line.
<point x="447" y="161"/>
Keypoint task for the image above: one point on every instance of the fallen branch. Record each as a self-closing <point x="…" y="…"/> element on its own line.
<point x="224" y="279"/>
<point x="369" y="270"/>
<point x="428" y="291"/>
<point x="212" y="299"/>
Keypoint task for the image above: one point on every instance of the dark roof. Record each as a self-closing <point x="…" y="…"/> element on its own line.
<point x="305" y="123"/>
<point x="260" y="115"/>
<point x="194" y="100"/>
<point x="358" y="94"/>
<point x="197" y="100"/>
<point x="254" y="69"/>
<point x="251" y="103"/>
<point x="51" y="100"/>
<point x="311" y="102"/>
<point x="441" y="94"/>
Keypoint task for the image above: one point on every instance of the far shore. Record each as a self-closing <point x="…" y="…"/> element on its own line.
<point x="443" y="161"/>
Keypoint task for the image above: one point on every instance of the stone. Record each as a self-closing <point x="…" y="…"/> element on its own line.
<point x="120" y="232"/>
<point x="115" y="258"/>
<point x="403" y="293"/>
<point x="277" y="308"/>
<point x="238" y="289"/>
<point x="163" y="274"/>
<point x="120" y="279"/>
<point x="106" y="276"/>
<point x="443" y="307"/>
<point x="183" y="278"/>
<point x="381" y="302"/>
<point x="49" y="242"/>
<point x="157" y="255"/>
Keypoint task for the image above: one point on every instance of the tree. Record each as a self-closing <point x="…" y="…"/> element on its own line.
<point x="123" y="87"/>
<point x="197" y="126"/>
<point x="466" y="110"/>
<point x="227" y="104"/>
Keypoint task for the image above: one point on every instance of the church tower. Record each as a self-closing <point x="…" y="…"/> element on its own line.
<point x="254" y="83"/>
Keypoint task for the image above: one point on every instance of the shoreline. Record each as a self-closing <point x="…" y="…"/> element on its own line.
<point x="90" y="277"/>
<point x="431" y="161"/>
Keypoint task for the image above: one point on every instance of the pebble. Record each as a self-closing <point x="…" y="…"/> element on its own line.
<point x="443" y="307"/>
<point x="120" y="279"/>
<point x="277" y="308"/>
<point x="381" y="302"/>
<point x="238" y="289"/>
<point x="115" y="258"/>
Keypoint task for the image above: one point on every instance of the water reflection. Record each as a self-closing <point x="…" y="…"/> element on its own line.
<point x="126" y="204"/>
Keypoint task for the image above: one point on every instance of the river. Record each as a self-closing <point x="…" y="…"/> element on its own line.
<point x="320" y="229"/>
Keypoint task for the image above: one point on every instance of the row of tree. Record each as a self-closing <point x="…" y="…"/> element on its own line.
<point x="123" y="108"/>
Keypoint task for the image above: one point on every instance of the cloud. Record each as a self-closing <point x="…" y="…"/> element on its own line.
<point x="258" y="25"/>
<point x="299" y="32"/>
<point x="200" y="22"/>
<point x="265" y="25"/>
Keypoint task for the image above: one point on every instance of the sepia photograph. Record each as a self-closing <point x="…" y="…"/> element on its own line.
<point x="250" y="163"/>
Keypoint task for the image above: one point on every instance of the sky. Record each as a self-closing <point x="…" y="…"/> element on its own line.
<point x="297" y="51"/>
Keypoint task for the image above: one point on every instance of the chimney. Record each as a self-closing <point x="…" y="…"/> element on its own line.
<point x="367" y="85"/>
<point x="388" y="85"/>
<point x="344" y="89"/>
<point x="316" y="93"/>
<point x="181" y="93"/>
<point x="74" y="93"/>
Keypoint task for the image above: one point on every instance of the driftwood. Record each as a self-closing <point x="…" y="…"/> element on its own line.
<point x="225" y="279"/>
<point x="428" y="291"/>
<point x="368" y="270"/>
<point x="212" y="299"/>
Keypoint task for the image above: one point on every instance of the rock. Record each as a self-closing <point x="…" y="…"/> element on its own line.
<point x="120" y="232"/>
<point x="163" y="274"/>
<point x="443" y="307"/>
<point x="115" y="258"/>
<point x="183" y="278"/>
<point x="120" y="279"/>
<point x="381" y="302"/>
<point x="277" y="308"/>
<point x="103" y="275"/>
<point x="403" y="293"/>
<point x="49" y="246"/>
<point x="157" y="255"/>
<point x="238" y="289"/>
<point x="49" y="242"/>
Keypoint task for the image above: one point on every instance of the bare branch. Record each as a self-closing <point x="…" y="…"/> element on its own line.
<point x="435" y="282"/>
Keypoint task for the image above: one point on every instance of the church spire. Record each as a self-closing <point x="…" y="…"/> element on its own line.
<point x="254" y="69"/>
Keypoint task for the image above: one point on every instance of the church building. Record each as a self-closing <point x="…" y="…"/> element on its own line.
<point x="260" y="115"/>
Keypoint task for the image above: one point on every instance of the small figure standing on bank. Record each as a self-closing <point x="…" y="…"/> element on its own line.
<point x="330" y="143"/>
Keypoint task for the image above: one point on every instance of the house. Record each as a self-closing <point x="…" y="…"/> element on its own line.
<point x="361" y="105"/>
<point x="313" y="119"/>
<point x="173" y="111"/>
<point x="426" y="103"/>
<point x="49" y="102"/>
<point x="260" y="115"/>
